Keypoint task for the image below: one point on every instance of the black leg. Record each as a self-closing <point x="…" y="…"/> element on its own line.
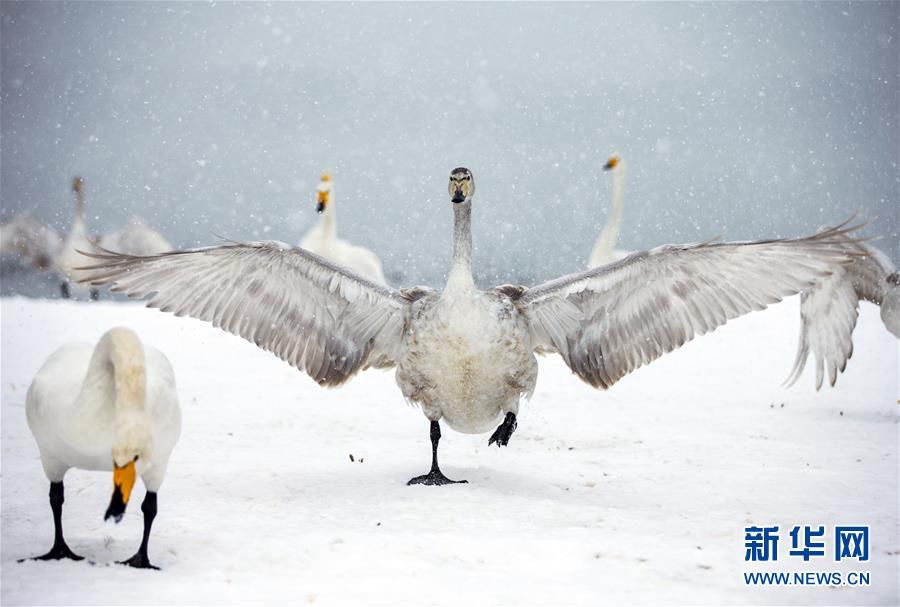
<point x="64" y="290"/>
<point x="140" y="558"/>
<point x="504" y="431"/>
<point x="60" y="550"/>
<point x="435" y="476"/>
<point x="95" y="295"/>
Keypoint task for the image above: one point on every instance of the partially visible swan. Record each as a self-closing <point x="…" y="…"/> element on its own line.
<point x="829" y="310"/>
<point x="136" y="238"/>
<point x="465" y="355"/>
<point x="30" y="240"/>
<point x="109" y="407"/>
<point x="77" y="240"/>
<point x="322" y="239"/>
<point x="604" y="251"/>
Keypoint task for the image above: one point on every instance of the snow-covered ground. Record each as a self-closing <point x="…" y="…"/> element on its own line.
<point x="639" y="495"/>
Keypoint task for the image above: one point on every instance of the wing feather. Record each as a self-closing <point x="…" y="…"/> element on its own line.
<point x="609" y="321"/>
<point x="319" y="317"/>
<point x="830" y="309"/>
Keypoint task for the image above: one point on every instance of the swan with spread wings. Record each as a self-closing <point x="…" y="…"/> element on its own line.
<point x="466" y="355"/>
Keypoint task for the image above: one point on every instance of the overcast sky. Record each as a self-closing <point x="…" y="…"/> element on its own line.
<point x="741" y="120"/>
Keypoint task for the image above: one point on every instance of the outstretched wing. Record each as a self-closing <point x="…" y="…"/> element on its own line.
<point x="609" y="321"/>
<point x="319" y="317"/>
<point x="829" y="310"/>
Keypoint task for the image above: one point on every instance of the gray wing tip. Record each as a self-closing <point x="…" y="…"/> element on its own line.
<point x="842" y="232"/>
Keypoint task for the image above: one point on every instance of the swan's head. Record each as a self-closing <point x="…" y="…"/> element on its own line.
<point x="462" y="185"/>
<point x="131" y="457"/>
<point x="613" y="162"/>
<point x="78" y="188"/>
<point x="324" y="192"/>
<point x="893" y="279"/>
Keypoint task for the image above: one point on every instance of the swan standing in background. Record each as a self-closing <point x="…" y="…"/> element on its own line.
<point x="465" y="355"/>
<point x="135" y="238"/>
<point x="603" y="251"/>
<point x="829" y="310"/>
<point x="77" y="240"/>
<point x="113" y="407"/>
<point x="30" y="240"/>
<point x="322" y="239"/>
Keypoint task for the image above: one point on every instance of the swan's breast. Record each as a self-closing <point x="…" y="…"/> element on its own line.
<point x="467" y="360"/>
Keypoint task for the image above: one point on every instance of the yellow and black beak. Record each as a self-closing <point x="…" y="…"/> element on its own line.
<point x="611" y="163"/>
<point x="459" y="191"/>
<point x="323" y="201"/>
<point x="123" y="483"/>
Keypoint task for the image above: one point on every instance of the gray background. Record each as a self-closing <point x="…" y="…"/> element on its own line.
<point x="740" y="120"/>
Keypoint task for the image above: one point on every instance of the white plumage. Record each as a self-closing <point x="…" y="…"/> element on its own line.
<point x="33" y="243"/>
<point x="136" y="238"/>
<point x="76" y="240"/>
<point x="467" y="355"/>
<point x="323" y="241"/>
<point x="604" y="250"/>
<point x="829" y="310"/>
<point x="112" y="406"/>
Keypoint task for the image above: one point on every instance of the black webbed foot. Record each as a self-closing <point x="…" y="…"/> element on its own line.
<point x="504" y="431"/>
<point x="58" y="552"/>
<point x="435" y="477"/>
<point x="60" y="549"/>
<point x="139" y="561"/>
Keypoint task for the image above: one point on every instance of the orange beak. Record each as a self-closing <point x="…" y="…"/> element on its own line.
<point x="123" y="483"/>
<point x="323" y="200"/>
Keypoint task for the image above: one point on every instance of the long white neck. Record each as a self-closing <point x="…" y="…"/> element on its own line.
<point x="603" y="249"/>
<point x="116" y="386"/>
<point x="79" y="229"/>
<point x="328" y="222"/>
<point x="460" y="278"/>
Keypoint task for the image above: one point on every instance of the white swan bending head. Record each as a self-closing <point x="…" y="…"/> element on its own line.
<point x="466" y="356"/>
<point x="112" y="406"/>
<point x="132" y="445"/>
